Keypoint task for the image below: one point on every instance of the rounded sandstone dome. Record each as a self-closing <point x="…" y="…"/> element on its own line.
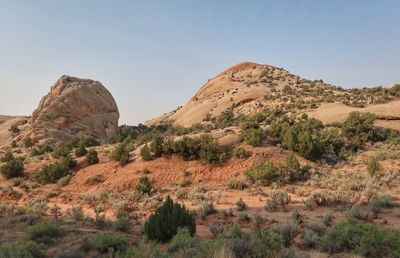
<point x="75" y="106"/>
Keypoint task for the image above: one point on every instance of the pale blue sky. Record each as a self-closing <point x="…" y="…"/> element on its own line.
<point x="154" y="55"/>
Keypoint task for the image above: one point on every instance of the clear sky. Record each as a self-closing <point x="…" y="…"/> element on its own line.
<point x="154" y="55"/>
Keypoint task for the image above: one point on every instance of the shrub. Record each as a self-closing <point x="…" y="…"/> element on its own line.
<point x="167" y="219"/>
<point x="68" y="161"/>
<point x="80" y="150"/>
<point x="109" y="243"/>
<point x="241" y="205"/>
<point x="76" y="213"/>
<point x="61" y="151"/>
<point x="28" y="142"/>
<point x="145" y="153"/>
<point x="265" y="173"/>
<point x="355" y="212"/>
<point x="225" y="119"/>
<point x="182" y="240"/>
<point x="8" y="156"/>
<point x="46" y="229"/>
<point x="52" y="172"/>
<point x="206" y="209"/>
<point x="236" y="184"/>
<point x="144" y="185"/>
<point x="122" y="222"/>
<point x="240" y="153"/>
<point x="13" y="168"/>
<point x="288" y="232"/>
<point x="364" y="239"/>
<point x="41" y="149"/>
<point x="120" y="154"/>
<point x="64" y="180"/>
<point x="28" y="249"/>
<point x="156" y="146"/>
<point x="373" y="167"/>
<point x="92" y="157"/>
<point x="359" y="127"/>
<point x="377" y="204"/>
<point x="310" y="238"/>
<point x="14" y="129"/>
<point x="254" y="137"/>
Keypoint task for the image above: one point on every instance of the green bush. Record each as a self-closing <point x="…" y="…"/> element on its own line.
<point x="41" y="149"/>
<point x="225" y="119"/>
<point x="44" y="229"/>
<point x="362" y="238"/>
<point x="271" y="172"/>
<point x="145" y="153"/>
<point x="13" y="168"/>
<point x="28" y="249"/>
<point x="206" y="209"/>
<point x="254" y="137"/>
<point x="156" y="146"/>
<point x="122" y="222"/>
<point x="8" y="156"/>
<point x="144" y="185"/>
<point x="265" y="173"/>
<point x="358" y="127"/>
<point x="182" y="240"/>
<point x="240" y="153"/>
<point x="167" y="219"/>
<point x="61" y="151"/>
<point x="52" y="172"/>
<point x="80" y="150"/>
<point x="109" y="243"/>
<point x="120" y="154"/>
<point x="92" y="157"/>
<point x="64" y="180"/>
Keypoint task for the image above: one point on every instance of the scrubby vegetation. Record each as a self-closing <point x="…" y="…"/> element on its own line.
<point x="272" y="172"/>
<point x="361" y="238"/>
<point x="53" y="172"/>
<point x="13" y="167"/>
<point x="91" y="157"/>
<point x="167" y="219"/>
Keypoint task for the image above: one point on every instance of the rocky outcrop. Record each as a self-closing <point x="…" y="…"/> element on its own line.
<point x="75" y="106"/>
<point x="242" y="87"/>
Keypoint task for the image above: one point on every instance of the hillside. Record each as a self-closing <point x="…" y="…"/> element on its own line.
<point x="248" y="88"/>
<point x="266" y="163"/>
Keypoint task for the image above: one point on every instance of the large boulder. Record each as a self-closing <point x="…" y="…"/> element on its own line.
<point x="75" y="106"/>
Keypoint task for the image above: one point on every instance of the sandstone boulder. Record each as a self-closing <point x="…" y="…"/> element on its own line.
<point x="75" y="106"/>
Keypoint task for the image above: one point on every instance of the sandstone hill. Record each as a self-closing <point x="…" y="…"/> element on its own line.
<point x="247" y="88"/>
<point x="73" y="106"/>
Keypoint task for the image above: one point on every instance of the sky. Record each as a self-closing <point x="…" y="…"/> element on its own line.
<point x="154" y="55"/>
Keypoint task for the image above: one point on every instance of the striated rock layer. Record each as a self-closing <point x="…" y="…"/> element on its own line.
<point x="75" y="106"/>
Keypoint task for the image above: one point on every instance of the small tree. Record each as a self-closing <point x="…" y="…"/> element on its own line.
<point x="156" y="146"/>
<point x="92" y="157"/>
<point x="120" y="154"/>
<point x="167" y="219"/>
<point x="253" y="137"/>
<point x="12" y="168"/>
<point x="145" y="153"/>
<point x="144" y="185"/>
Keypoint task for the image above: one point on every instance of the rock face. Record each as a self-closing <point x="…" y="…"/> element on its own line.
<point x="75" y="106"/>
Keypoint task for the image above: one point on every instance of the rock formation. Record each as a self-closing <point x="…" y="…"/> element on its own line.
<point x="75" y="106"/>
